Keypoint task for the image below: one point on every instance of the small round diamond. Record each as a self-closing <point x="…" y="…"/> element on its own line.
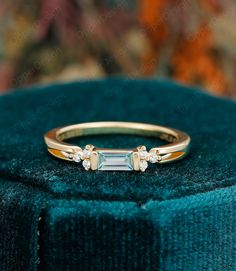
<point x="143" y="154"/>
<point x="86" y="153"/>
<point x="77" y="157"/>
<point x="153" y="157"/>
<point x="143" y="165"/>
<point x="86" y="164"/>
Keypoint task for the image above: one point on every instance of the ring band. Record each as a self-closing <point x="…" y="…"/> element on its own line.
<point x="117" y="159"/>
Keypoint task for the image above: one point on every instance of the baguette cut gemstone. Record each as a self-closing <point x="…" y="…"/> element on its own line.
<point x="115" y="160"/>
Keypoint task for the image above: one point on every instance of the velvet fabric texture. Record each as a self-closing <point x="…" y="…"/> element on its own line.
<point x="56" y="216"/>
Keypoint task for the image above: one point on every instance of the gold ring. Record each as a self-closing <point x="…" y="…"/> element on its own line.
<point x="117" y="159"/>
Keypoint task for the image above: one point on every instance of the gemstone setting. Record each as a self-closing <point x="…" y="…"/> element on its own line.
<point x="144" y="157"/>
<point x="86" y="164"/>
<point x="77" y="157"/>
<point x="115" y="160"/>
<point x="143" y="165"/>
<point x="87" y="151"/>
<point x="154" y="157"/>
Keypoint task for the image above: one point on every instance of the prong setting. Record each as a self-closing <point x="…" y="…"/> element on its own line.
<point x="86" y="155"/>
<point x="144" y="157"/>
<point x="86" y="164"/>
<point x="154" y="157"/>
<point x="77" y="156"/>
<point x="87" y="151"/>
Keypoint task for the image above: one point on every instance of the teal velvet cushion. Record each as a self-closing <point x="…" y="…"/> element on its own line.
<point x="56" y="216"/>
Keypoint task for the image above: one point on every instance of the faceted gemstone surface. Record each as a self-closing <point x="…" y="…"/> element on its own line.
<point x="115" y="160"/>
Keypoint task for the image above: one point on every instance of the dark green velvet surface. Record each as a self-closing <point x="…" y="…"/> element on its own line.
<point x="179" y="216"/>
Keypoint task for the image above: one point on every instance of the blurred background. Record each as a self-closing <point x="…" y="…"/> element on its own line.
<point x="190" y="41"/>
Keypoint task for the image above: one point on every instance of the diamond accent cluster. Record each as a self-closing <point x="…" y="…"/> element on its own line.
<point x="146" y="157"/>
<point x="86" y="156"/>
<point x="143" y="155"/>
<point x="81" y="155"/>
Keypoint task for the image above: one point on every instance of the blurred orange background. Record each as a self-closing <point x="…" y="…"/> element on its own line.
<point x="45" y="41"/>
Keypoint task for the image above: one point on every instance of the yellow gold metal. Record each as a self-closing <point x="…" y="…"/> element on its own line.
<point x="136" y="160"/>
<point x="177" y="147"/>
<point x="94" y="160"/>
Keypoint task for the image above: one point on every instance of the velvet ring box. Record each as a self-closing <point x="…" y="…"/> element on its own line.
<point x="56" y="216"/>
